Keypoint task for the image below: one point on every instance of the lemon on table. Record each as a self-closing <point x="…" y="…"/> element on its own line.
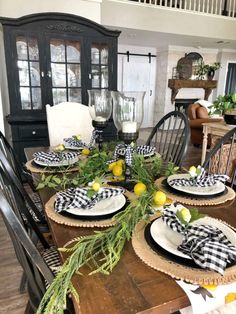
<point x="85" y="151"/>
<point x="117" y="170"/>
<point x="120" y="162"/>
<point x="159" y="198"/>
<point x="96" y="186"/>
<point x="139" y="188"/>
<point x="192" y="169"/>
<point x="111" y="165"/>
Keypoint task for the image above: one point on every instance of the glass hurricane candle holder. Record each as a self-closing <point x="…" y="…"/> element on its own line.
<point x="128" y="117"/>
<point x="100" y="108"/>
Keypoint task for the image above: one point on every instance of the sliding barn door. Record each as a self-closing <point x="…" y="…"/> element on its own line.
<point x="139" y="75"/>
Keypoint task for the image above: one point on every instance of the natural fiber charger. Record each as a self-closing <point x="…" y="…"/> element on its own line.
<point x="173" y="269"/>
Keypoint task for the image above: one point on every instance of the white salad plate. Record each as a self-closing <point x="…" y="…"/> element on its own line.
<point x="169" y="240"/>
<point x="57" y="164"/>
<point x="217" y="188"/>
<point x="67" y="146"/>
<point x="103" y="207"/>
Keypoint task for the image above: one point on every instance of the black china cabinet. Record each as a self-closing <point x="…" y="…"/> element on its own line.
<point x="52" y="58"/>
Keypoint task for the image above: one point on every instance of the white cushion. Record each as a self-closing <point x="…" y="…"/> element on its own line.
<point x="204" y="103"/>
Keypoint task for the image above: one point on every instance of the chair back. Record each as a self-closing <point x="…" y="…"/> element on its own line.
<point x="27" y="254"/>
<point x="222" y="157"/>
<point x="67" y="119"/>
<point x="31" y="212"/>
<point x="170" y="136"/>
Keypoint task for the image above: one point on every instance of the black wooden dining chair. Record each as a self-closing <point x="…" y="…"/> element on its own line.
<point x="19" y="169"/>
<point x="38" y="267"/>
<point x="35" y="211"/>
<point x="171" y="136"/>
<point x="222" y="157"/>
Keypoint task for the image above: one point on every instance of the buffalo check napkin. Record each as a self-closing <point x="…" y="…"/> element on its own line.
<point x="73" y="142"/>
<point x="77" y="198"/>
<point x="54" y="156"/>
<point x="206" y="245"/>
<point x="203" y="180"/>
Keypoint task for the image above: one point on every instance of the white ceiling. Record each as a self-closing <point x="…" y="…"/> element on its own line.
<point x="163" y="40"/>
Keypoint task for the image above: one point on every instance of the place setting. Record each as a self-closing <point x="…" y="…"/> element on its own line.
<point x="197" y="187"/>
<point x="188" y="245"/>
<point x="92" y="206"/>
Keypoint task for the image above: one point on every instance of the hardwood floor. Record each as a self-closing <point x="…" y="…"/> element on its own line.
<point x="11" y="301"/>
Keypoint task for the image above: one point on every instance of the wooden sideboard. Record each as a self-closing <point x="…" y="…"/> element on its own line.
<point x="176" y="85"/>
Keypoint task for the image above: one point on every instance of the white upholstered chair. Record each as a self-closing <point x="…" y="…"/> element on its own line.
<point x="67" y="119"/>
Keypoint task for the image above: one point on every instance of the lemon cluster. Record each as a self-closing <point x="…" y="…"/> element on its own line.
<point x="117" y="167"/>
<point x="159" y="197"/>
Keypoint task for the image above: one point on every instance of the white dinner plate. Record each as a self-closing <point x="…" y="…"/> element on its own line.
<point x="104" y="207"/>
<point x="63" y="163"/>
<point x="169" y="240"/>
<point x="217" y="188"/>
<point x="67" y="146"/>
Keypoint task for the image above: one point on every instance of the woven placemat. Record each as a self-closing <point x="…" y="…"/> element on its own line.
<point x="190" y="200"/>
<point x="75" y="222"/>
<point x="173" y="269"/>
<point x="38" y="169"/>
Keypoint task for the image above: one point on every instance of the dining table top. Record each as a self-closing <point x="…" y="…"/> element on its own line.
<point x="132" y="286"/>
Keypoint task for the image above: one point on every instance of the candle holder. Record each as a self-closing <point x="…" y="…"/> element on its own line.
<point x="100" y="108"/>
<point x="128" y="116"/>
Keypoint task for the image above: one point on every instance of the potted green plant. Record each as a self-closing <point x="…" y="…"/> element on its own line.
<point x="226" y="106"/>
<point x="207" y="69"/>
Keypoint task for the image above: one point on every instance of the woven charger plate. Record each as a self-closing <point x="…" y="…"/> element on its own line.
<point x="68" y="221"/>
<point x="190" y="200"/>
<point x="175" y="270"/>
<point x="41" y="169"/>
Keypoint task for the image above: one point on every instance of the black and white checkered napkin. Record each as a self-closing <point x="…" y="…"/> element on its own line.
<point x="127" y="151"/>
<point x="203" y="180"/>
<point x="206" y="245"/>
<point x="73" y="142"/>
<point x="54" y="156"/>
<point x="77" y="198"/>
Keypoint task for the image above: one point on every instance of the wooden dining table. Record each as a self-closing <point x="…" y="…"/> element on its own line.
<point x="132" y="286"/>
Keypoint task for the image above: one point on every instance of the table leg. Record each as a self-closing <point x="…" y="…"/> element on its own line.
<point x="204" y="143"/>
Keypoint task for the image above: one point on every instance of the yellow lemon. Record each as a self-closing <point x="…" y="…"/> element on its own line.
<point x="210" y="287"/>
<point x="230" y="297"/>
<point x="78" y="137"/>
<point x="117" y="170"/>
<point x="85" y="151"/>
<point x="139" y="188"/>
<point x="120" y="162"/>
<point x="192" y="169"/>
<point x="159" y="198"/>
<point x="111" y="165"/>
<point x="96" y="186"/>
<point x="185" y="213"/>
<point x="59" y="148"/>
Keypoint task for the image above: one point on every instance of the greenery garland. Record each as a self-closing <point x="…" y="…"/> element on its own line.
<point x="103" y="249"/>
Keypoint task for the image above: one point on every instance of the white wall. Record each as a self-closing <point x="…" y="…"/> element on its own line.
<point x="16" y="8"/>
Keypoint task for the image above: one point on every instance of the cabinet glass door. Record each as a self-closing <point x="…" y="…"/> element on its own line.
<point x="99" y="65"/>
<point x="29" y="73"/>
<point x="65" y="70"/>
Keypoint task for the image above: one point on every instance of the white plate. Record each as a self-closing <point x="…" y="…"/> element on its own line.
<point x="196" y="190"/>
<point x="57" y="164"/>
<point x="169" y="240"/>
<point x="104" y="207"/>
<point x="73" y="147"/>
